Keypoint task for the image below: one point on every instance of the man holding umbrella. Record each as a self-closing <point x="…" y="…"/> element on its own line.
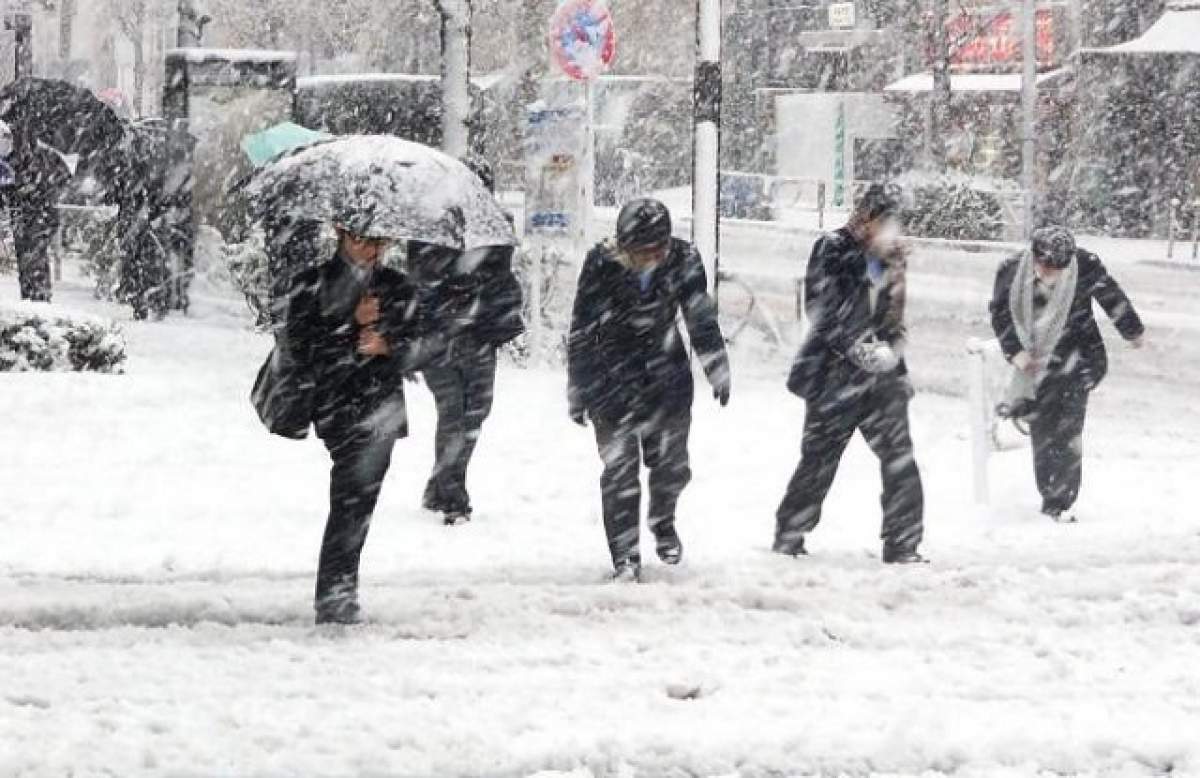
<point x="54" y="125"/>
<point x="352" y="325"/>
<point x="356" y="327"/>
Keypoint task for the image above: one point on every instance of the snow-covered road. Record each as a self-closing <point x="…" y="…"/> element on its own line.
<point x="157" y="551"/>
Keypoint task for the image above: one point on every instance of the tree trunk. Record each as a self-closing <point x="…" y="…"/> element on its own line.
<point x="66" y="24"/>
<point x="939" y="99"/>
<point x="456" y="75"/>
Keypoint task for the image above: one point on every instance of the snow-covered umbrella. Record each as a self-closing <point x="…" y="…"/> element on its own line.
<point x="67" y="118"/>
<point x="411" y="191"/>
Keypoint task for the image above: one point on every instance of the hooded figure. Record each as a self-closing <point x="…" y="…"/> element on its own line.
<point x="1041" y="312"/>
<point x="629" y="372"/>
<point x="851" y="373"/>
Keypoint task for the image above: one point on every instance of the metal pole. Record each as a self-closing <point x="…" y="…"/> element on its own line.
<point x="1195" y="229"/>
<point x="587" y="169"/>
<point x="706" y="150"/>
<point x="1172" y="226"/>
<point x="456" y="76"/>
<point x="22" y="26"/>
<point x="981" y="447"/>
<point x="1029" y="113"/>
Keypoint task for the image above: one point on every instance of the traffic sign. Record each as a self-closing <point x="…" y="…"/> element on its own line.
<point x="583" y="41"/>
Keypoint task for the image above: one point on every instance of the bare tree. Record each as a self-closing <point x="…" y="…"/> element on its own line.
<point x="131" y="17"/>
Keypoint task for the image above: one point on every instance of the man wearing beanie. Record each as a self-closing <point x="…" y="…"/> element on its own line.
<point x="1041" y="312"/>
<point x="852" y="376"/>
<point x="629" y="373"/>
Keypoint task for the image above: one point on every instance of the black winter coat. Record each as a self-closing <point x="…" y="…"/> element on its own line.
<point x="322" y="336"/>
<point x="499" y="318"/>
<point x="837" y="302"/>
<point x="485" y="301"/>
<point x="1080" y="354"/>
<point x="41" y="178"/>
<point x="626" y="358"/>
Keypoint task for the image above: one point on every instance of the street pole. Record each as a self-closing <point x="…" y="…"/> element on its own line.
<point x="456" y="76"/>
<point x="939" y="99"/>
<point x="21" y="24"/>
<point x="1029" y="113"/>
<point x="587" y="169"/>
<point x="706" y="150"/>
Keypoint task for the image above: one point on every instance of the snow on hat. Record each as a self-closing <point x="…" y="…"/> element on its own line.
<point x="1053" y="245"/>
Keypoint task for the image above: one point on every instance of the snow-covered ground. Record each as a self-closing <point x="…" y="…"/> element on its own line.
<point x="157" y="551"/>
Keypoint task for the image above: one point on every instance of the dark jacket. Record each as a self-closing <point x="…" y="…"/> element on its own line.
<point x="41" y="178"/>
<point x="499" y="318"/>
<point x="837" y="302"/>
<point x="484" y="301"/>
<point x="322" y="337"/>
<point x="1080" y="354"/>
<point x="625" y="355"/>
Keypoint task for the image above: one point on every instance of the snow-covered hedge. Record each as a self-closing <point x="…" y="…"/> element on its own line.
<point x="38" y="337"/>
<point x="953" y="207"/>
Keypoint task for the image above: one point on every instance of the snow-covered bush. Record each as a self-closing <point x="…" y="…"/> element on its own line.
<point x="46" y="339"/>
<point x="952" y="208"/>
<point x="246" y="265"/>
<point x="98" y="245"/>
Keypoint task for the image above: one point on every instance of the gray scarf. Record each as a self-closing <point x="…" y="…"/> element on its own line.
<point x="1038" y="331"/>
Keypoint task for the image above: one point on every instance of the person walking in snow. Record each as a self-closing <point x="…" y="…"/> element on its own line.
<point x="629" y="372"/>
<point x="851" y="373"/>
<point x="138" y="173"/>
<point x="1041" y="312"/>
<point x="485" y="299"/>
<point x="353" y="326"/>
<point x="41" y="175"/>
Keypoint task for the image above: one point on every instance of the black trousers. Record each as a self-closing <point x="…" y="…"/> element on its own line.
<point x="881" y="415"/>
<point x="663" y="444"/>
<point x="463" y="392"/>
<point x="360" y="463"/>
<point x="143" y="276"/>
<point x="1056" y="429"/>
<point x="33" y="232"/>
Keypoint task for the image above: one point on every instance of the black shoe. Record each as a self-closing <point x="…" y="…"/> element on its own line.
<point x="432" y="501"/>
<point x="1061" y="517"/>
<point x="339" y="611"/>
<point x="669" y="546"/>
<point x="456" y="518"/>
<point x="628" y="571"/>
<point x="903" y="557"/>
<point x="794" y="549"/>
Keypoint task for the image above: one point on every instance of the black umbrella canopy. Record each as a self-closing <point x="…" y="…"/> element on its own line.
<point x="67" y="117"/>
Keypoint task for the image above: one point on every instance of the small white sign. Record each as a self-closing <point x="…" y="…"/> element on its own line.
<point x="841" y="15"/>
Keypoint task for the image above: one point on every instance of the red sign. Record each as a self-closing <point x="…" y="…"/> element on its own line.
<point x="582" y="39"/>
<point x="979" y="41"/>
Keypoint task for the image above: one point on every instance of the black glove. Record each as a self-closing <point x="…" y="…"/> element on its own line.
<point x="722" y="384"/>
<point x="578" y="415"/>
